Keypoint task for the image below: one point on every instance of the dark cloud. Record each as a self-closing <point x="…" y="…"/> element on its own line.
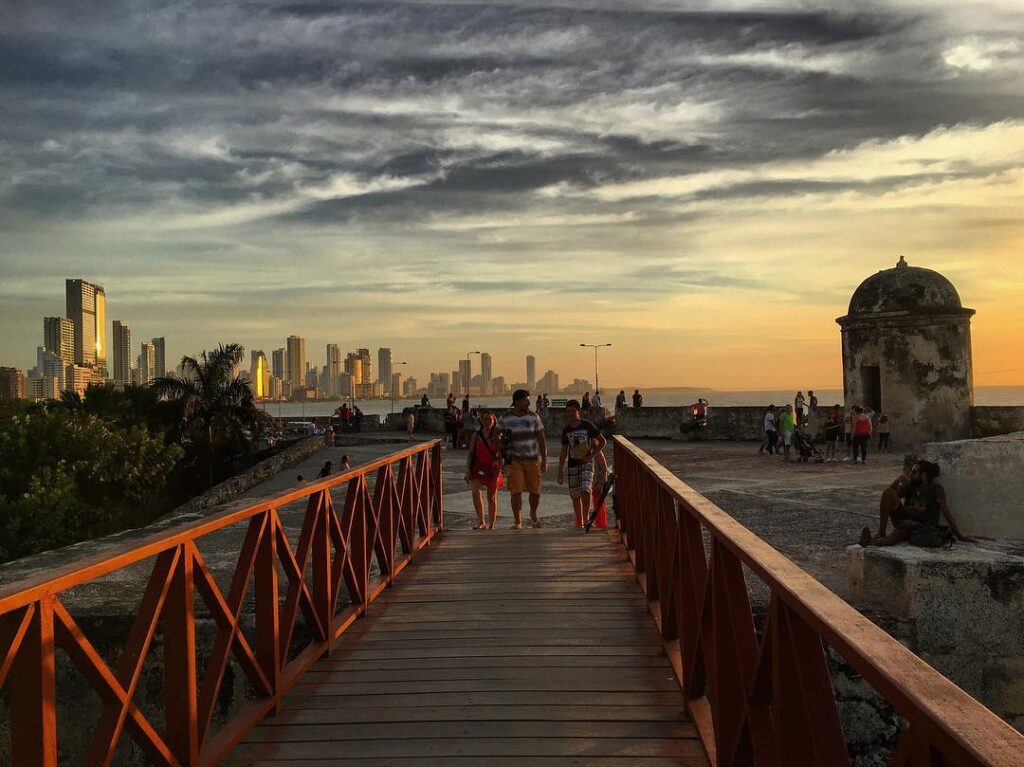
<point x="357" y="122"/>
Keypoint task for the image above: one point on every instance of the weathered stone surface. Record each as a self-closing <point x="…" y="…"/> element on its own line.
<point x="984" y="483"/>
<point x="991" y="421"/>
<point x="961" y="609"/>
<point x="232" y="487"/>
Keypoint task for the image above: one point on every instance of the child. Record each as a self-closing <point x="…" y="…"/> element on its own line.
<point x="581" y="441"/>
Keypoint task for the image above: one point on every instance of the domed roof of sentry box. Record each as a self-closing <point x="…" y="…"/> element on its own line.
<point x="905" y="288"/>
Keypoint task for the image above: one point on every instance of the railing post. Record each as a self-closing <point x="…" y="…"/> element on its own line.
<point x="268" y="628"/>
<point x="32" y="689"/>
<point x="180" y="696"/>
<point x="323" y="596"/>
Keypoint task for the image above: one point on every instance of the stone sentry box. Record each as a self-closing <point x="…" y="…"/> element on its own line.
<point x="907" y="353"/>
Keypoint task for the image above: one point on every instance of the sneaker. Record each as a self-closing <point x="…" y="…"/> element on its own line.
<point x="847" y="458"/>
<point x="865" y="537"/>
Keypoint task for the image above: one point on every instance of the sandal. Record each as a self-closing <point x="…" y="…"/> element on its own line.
<point x="517" y="526"/>
<point x="538" y="524"/>
<point x="479" y="527"/>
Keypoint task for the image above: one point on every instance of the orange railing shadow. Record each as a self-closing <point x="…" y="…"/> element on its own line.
<point x="332" y="558"/>
<point x="768" y="699"/>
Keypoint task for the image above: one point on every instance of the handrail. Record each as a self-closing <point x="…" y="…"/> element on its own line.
<point x="332" y="557"/>
<point x="771" y="701"/>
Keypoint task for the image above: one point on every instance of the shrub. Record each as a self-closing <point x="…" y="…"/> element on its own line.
<point x="67" y="477"/>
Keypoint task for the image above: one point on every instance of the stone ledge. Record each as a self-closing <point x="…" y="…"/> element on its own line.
<point x="961" y="609"/>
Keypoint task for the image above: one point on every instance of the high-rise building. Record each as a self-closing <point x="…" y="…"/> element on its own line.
<point x="354" y="367"/>
<point x="498" y="386"/>
<point x="38" y="388"/>
<point x="531" y="372"/>
<point x="259" y="374"/>
<point x="364" y="356"/>
<point x="396" y="385"/>
<point x="335" y="367"/>
<point x="160" y="345"/>
<point x="485" y="374"/>
<point x="59" y="337"/>
<point x="147" y="363"/>
<point x="296" y="361"/>
<point x="465" y="373"/>
<point x="279" y="363"/>
<point x="384" y="366"/>
<point x="276" y="388"/>
<point x="87" y="310"/>
<point x="122" y="349"/>
<point x="456" y="381"/>
<point x="77" y="378"/>
<point x="549" y="383"/>
<point x="410" y="387"/>
<point x="12" y="383"/>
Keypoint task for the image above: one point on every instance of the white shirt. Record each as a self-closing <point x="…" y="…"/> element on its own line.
<point x="769" y="421"/>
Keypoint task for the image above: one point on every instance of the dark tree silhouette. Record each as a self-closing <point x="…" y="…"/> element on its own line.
<point x="215" y="415"/>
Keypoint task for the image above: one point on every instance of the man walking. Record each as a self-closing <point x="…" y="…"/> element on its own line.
<point x="581" y="442"/>
<point x="526" y="455"/>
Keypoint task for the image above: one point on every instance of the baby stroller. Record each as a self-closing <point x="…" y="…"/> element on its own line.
<point x="805" y="450"/>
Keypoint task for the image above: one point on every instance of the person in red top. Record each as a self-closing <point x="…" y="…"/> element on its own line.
<point x="483" y="469"/>
<point x="861" y="434"/>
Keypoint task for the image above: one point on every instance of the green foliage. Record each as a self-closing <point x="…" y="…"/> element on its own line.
<point x="12" y="407"/>
<point x="68" y="476"/>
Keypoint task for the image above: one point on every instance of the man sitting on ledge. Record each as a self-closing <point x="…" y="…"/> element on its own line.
<point x="913" y="502"/>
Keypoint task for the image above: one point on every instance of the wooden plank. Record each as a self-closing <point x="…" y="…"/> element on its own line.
<point x="646" y="698"/>
<point x="331" y="663"/>
<point x="492" y="761"/>
<point x="477" y="729"/>
<point x="432" y="713"/>
<point x="535" y="684"/>
<point x="521" y="653"/>
<point x="480" y="748"/>
<point x="582" y="670"/>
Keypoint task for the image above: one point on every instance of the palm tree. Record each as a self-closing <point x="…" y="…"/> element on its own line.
<point x="216" y="416"/>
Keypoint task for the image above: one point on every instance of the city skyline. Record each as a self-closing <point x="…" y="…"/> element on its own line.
<point x="704" y="187"/>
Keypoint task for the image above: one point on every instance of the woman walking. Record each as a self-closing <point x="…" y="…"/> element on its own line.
<point x="483" y="469"/>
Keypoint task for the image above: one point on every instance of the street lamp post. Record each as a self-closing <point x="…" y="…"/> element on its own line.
<point x="595" y="347"/>
<point x="468" y="376"/>
<point x="391" y="386"/>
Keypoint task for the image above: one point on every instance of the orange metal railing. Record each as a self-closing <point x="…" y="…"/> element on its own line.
<point x="331" y="559"/>
<point x="769" y="700"/>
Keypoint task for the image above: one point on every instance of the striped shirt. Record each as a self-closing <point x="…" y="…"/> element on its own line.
<point x="523" y="431"/>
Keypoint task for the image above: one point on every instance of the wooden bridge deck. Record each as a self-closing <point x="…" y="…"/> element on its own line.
<point x="498" y="648"/>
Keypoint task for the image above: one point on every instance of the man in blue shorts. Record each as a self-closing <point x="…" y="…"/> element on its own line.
<point x="581" y="441"/>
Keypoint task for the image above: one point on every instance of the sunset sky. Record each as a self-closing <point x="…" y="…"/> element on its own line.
<point x="703" y="189"/>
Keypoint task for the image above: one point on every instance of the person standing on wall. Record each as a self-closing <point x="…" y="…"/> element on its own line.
<point x="581" y="441"/>
<point x="638" y="399"/>
<point x="798" y="405"/>
<point x="526" y="455"/>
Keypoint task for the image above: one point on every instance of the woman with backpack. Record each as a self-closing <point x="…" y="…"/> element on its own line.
<point x="483" y="469"/>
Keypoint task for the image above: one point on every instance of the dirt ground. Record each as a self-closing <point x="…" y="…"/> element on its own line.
<point x="809" y="511"/>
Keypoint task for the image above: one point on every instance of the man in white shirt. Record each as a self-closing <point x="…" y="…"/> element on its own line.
<point x="771" y="431"/>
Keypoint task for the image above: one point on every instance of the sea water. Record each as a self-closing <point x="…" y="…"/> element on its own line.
<point x="983" y="395"/>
